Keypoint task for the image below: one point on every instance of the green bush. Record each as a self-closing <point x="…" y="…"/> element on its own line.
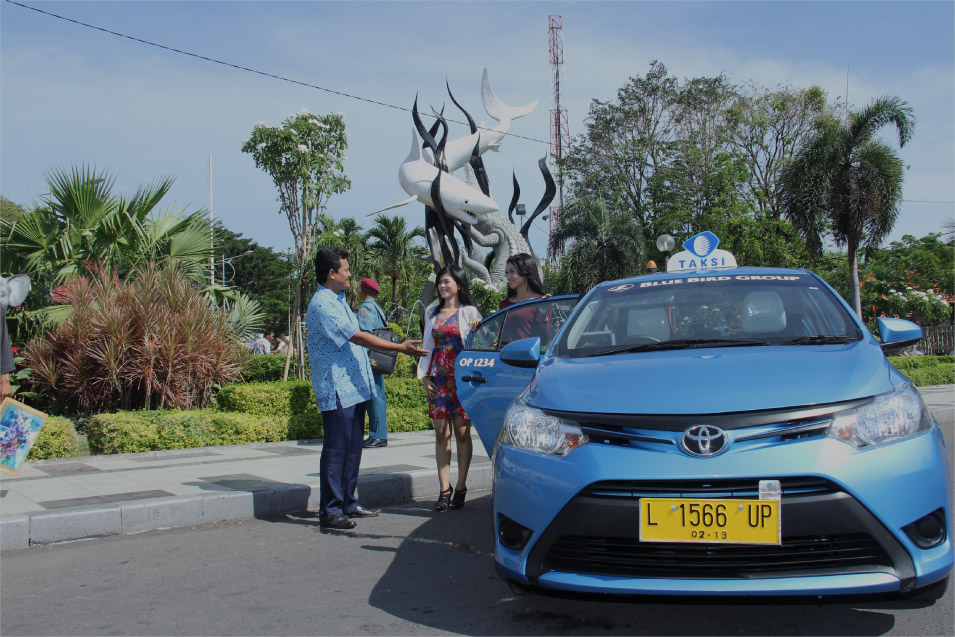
<point x="937" y="375"/>
<point x="248" y="412"/>
<point x="307" y="426"/>
<point x="57" y="439"/>
<point x="263" y="368"/>
<point x="405" y="367"/>
<point x="269" y="399"/>
<point x="132" y="431"/>
<point x="903" y="363"/>
<point x="267" y="368"/>
<point x="926" y="370"/>
<point x="407" y="419"/>
<point x="405" y="393"/>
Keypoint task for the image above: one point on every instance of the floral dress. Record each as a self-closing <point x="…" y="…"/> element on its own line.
<point x="447" y="346"/>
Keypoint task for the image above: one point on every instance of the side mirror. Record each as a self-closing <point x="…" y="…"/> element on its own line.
<point x="898" y="333"/>
<point x="523" y="353"/>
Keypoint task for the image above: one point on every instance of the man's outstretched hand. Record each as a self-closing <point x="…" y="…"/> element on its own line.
<point x="410" y="348"/>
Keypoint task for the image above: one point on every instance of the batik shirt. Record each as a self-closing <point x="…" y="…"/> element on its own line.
<point x="339" y="367"/>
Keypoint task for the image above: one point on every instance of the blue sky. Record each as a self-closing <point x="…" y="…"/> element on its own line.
<point x="72" y="95"/>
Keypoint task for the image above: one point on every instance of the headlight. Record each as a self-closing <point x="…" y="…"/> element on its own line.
<point x="533" y="430"/>
<point x="895" y="415"/>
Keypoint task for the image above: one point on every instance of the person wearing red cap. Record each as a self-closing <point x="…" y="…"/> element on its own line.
<point x="372" y="317"/>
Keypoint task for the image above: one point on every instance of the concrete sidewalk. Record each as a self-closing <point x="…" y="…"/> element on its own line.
<point x="95" y="496"/>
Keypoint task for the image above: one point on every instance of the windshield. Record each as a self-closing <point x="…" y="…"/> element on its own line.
<point x="725" y="310"/>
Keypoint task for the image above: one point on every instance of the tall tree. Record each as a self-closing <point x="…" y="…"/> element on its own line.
<point x="695" y="154"/>
<point x="607" y="244"/>
<point x="347" y="233"/>
<point x="845" y="183"/>
<point x="626" y="141"/>
<point x="305" y="157"/>
<point x="766" y="127"/>
<point x="393" y="245"/>
<point x="10" y="211"/>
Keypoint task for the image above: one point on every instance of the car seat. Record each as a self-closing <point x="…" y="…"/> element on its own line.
<point x="763" y="313"/>
<point x="650" y="323"/>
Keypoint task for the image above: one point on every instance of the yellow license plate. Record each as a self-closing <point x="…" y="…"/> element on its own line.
<point x="705" y="520"/>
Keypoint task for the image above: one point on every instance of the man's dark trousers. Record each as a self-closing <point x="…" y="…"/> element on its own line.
<point x="341" y="456"/>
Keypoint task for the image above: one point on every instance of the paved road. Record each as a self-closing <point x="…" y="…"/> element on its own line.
<point x="409" y="572"/>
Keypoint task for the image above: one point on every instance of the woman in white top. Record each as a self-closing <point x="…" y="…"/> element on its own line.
<point x="448" y="321"/>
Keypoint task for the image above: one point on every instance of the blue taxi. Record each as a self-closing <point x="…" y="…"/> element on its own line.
<point x="713" y="429"/>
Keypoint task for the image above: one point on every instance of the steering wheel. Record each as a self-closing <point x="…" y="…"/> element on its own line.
<point x="639" y="338"/>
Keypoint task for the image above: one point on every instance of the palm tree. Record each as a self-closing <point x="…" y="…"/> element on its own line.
<point x="392" y="244"/>
<point x="83" y="228"/>
<point x="845" y="183"/>
<point x="347" y="233"/>
<point x="607" y="244"/>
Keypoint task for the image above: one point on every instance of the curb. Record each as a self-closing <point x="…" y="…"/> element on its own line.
<point x="22" y="530"/>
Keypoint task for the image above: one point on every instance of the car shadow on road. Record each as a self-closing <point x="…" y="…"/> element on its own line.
<point x="442" y="576"/>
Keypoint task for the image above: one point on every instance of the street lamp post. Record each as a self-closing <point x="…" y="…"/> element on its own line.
<point x="665" y="243"/>
<point x="520" y="211"/>
<point x="229" y="260"/>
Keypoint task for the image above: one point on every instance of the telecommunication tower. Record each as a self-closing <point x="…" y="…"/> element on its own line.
<point x="559" y="128"/>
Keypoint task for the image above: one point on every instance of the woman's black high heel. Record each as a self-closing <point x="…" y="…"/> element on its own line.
<point x="444" y="500"/>
<point x="457" y="501"/>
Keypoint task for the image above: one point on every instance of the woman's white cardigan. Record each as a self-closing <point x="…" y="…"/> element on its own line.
<point x="466" y="314"/>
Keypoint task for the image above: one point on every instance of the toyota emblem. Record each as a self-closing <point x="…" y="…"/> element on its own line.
<point x="704" y="441"/>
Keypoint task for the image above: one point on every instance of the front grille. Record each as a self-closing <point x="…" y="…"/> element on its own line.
<point x="825" y="531"/>
<point x="732" y="488"/>
<point x="625" y="557"/>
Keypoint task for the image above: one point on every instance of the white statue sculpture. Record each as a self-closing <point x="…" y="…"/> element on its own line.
<point x="466" y="204"/>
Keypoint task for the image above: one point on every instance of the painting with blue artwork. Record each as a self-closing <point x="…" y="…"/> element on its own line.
<point x="19" y="426"/>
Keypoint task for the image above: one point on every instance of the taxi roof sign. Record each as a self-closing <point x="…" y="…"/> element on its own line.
<point x="700" y="253"/>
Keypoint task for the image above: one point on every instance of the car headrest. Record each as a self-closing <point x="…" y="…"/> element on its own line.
<point x="763" y="312"/>
<point x="650" y="322"/>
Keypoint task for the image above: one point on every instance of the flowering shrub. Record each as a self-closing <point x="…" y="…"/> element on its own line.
<point x="924" y="308"/>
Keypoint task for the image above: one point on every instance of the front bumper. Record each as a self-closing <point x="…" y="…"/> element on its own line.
<point x="841" y="520"/>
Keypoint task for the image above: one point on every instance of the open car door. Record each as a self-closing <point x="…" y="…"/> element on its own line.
<point x="487" y="386"/>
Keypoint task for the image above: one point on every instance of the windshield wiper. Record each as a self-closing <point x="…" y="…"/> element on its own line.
<point x="682" y="343"/>
<point x="820" y="339"/>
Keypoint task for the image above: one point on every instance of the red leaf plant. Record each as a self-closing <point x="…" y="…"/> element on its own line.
<point x="154" y="342"/>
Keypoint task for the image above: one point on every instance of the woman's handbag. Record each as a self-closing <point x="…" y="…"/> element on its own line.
<point x="383" y="362"/>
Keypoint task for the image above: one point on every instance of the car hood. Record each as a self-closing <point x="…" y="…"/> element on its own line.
<point x="712" y="380"/>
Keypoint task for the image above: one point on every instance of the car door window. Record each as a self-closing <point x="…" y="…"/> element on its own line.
<point x="485" y="337"/>
<point x="541" y="318"/>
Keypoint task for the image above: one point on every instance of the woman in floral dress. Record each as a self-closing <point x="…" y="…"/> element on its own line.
<point x="448" y="321"/>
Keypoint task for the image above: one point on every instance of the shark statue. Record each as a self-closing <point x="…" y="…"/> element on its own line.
<point x="458" y="151"/>
<point x="422" y="180"/>
<point x="13" y="291"/>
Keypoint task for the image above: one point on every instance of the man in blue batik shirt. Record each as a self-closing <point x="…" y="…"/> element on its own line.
<point x="343" y="383"/>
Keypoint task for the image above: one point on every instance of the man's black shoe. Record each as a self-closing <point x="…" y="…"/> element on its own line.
<point x="362" y="512"/>
<point x="336" y="522"/>
<point x="372" y="443"/>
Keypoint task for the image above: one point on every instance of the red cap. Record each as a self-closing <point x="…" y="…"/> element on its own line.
<point x="371" y="284"/>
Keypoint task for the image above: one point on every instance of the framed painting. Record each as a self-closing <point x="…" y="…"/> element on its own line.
<point x="19" y="426"/>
